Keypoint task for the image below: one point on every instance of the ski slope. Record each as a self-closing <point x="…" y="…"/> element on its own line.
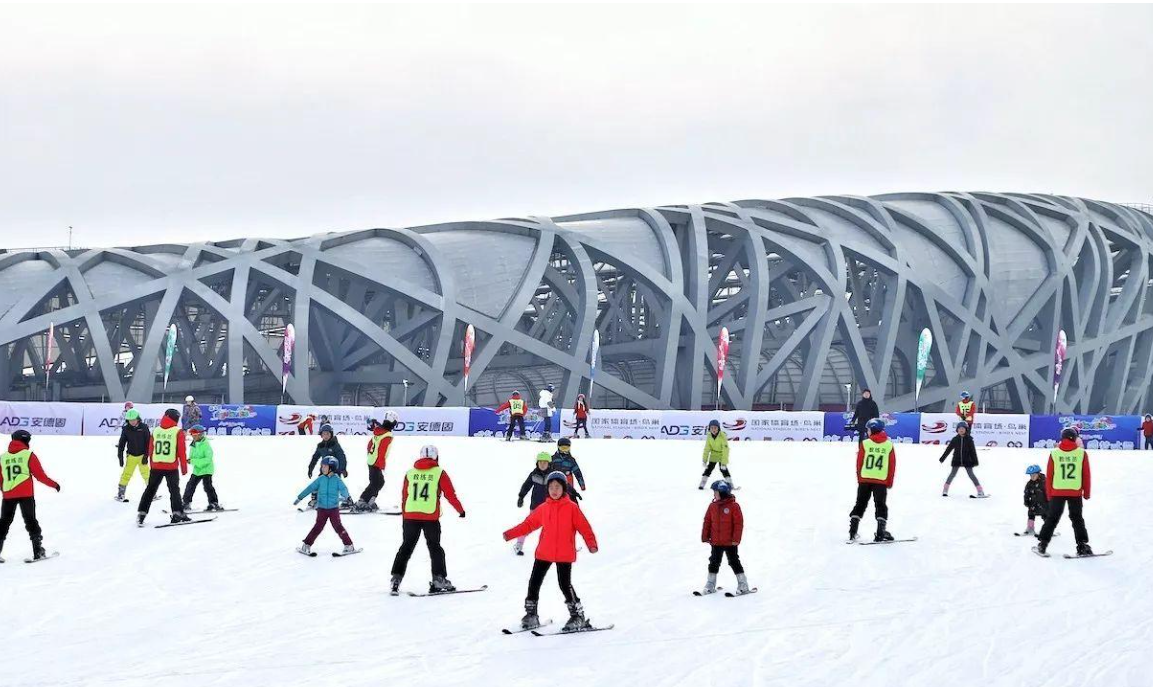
<point x="230" y="603"/>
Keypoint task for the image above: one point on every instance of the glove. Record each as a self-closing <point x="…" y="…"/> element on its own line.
<point x="309" y="473"/>
<point x="942" y="460"/>
<point x="462" y="514"/>
<point x="576" y="495"/>
<point x="520" y="502"/>
<point x="582" y="487"/>
<point x="593" y="549"/>
<point x="296" y="502"/>
<point x="57" y="487"/>
<point x="344" y="474"/>
<point x="144" y="460"/>
<point x="120" y="457"/>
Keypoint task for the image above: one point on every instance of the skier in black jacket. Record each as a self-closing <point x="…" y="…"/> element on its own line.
<point x="329" y="446"/>
<point x="964" y="456"/>
<point x="865" y="410"/>
<point x="1036" y="500"/>
<point x="134" y="437"/>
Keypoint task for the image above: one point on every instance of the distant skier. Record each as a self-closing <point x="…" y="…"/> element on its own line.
<point x="18" y="467"/>
<point x="1036" y="501"/>
<point x="378" y="445"/>
<point x="135" y="439"/>
<point x="328" y="490"/>
<point x="546" y="406"/>
<point x="716" y="453"/>
<point x="865" y="410"/>
<point x="564" y="461"/>
<point x="124" y="413"/>
<point x="167" y="454"/>
<point x="876" y="468"/>
<point x="423" y="486"/>
<point x="329" y="445"/>
<point x="1147" y="431"/>
<point x="581" y="413"/>
<point x="559" y="519"/>
<point x="966" y="408"/>
<point x="722" y="529"/>
<point x="516" y="407"/>
<point x="191" y="413"/>
<point x="964" y="456"/>
<point x="537" y="483"/>
<point x="1067" y="482"/>
<point x="203" y="468"/>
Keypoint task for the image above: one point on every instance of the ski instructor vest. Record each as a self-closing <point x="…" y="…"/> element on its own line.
<point x="423" y="490"/>
<point x="14" y="468"/>
<point x="164" y="445"/>
<point x="966" y="408"/>
<point x="876" y="462"/>
<point x="516" y="406"/>
<point x="1067" y="469"/>
<point x="374" y="446"/>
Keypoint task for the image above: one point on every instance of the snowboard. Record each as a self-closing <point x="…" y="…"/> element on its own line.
<point x="178" y="524"/>
<point x="458" y="591"/>
<point x="893" y="541"/>
<point x="341" y="554"/>
<point x="698" y="592"/>
<point x="310" y="554"/>
<point x="733" y="595"/>
<point x="537" y="633"/>
<point x="54" y="554"/>
<point x="518" y="630"/>
<point x="1069" y="555"/>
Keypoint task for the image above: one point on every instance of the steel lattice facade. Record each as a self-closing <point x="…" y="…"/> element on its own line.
<point x="817" y="293"/>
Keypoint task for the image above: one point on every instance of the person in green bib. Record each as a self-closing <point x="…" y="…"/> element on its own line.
<point x="1067" y="482"/>
<point x="716" y="453"/>
<point x="18" y="467"/>
<point x="203" y="467"/>
<point x="423" y="486"/>
<point x="166" y="454"/>
<point x="876" y="468"/>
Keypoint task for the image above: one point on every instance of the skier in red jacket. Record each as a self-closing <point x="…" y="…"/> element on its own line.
<point x="516" y="408"/>
<point x="581" y="413"/>
<point x="420" y="505"/>
<point x="876" y="468"/>
<point x="18" y="467"/>
<point x="166" y="453"/>
<point x="1067" y="481"/>
<point x="559" y="520"/>
<point x="724" y="524"/>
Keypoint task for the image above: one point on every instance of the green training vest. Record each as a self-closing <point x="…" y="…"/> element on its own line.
<point x="516" y="406"/>
<point x="164" y="445"/>
<point x="14" y="468"/>
<point x="375" y="446"/>
<point x="965" y="408"/>
<point x="876" y="463"/>
<point x="1067" y="468"/>
<point x="423" y="490"/>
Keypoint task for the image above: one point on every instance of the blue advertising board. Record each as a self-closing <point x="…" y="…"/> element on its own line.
<point x="238" y="420"/>
<point x="1109" y="432"/>
<point x="486" y="422"/>
<point x="902" y="428"/>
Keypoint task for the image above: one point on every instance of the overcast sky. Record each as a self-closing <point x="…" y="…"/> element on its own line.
<point x="139" y="124"/>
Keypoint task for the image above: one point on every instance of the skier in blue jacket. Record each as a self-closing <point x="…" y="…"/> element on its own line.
<point x="329" y="490"/>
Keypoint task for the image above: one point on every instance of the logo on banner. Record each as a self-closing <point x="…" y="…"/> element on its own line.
<point x="935" y="428"/>
<point x="224" y="413"/>
<point x="736" y="425"/>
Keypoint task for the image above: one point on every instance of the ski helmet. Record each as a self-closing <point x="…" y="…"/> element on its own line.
<point x="722" y="487"/>
<point x="132" y="414"/>
<point x="962" y="425"/>
<point x="1032" y="469"/>
<point x="557" y="476"/>
<point x="172" y="414"/>
<point x="543" y="457"/>
<point x="23" y="436"/>
<point x="188" y="399"/>
<point x="429" y="451"/>
<point x="965" y="395"/>
<point x="196" y="429"/>
<point x="516" y="394"/>
<point x="1069" y="433"/>
<point x="391" y="416"/>
<point x="127" y="405"/>
<point x="875" y="425"/>
<point x="332" y="463"/>
<point x="714" y="423"/>
<point x="550" y="387"/>
<point x="327" y="428"/>
<point x="563" y="441"/>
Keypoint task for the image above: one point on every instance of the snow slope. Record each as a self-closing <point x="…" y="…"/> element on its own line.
<point x="229" y="603"/>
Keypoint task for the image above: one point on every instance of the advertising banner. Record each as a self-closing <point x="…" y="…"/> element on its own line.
<point x="1001" y="430"/>
<point x="740" y="425"/>
<point x="61" y="419"/>
<point x="902" y="428"/>
<point x="486" y="422"/>
<point x="296" y="419"/>
<point x="238" y="420"/>
<point x="937" y="428"/>
<point x="106" y="419"/>
<point x="1101" y="432"/>
<point x="616" y="424"/>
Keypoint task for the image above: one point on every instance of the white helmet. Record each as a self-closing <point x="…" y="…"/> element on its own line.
<point x="391" y="416"/>
<point x="188" y="399"/>
<point x="429" y="451"/>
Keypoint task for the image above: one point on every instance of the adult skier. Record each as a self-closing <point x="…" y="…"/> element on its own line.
<point x="581" y="413"/>
<point x="559" y="520"/>
<point x="135" y="438"/>
<point x="724" y="523"/>
<point x="546" y="406"/>
<point x="203" y="467"/>
<point x="328" y="446"/>
<point x="191" y="414"/>
<point x="328" y="490"/>
<point x="423" y="486"/>
<point x="1067" y="483"/>
<point x="18" y="467"/>
<point x="378" y="445"/>
<point x="964" y="456"/>
<point x="167" y="454"/>
<point x="865" y="410"/>
<point x="966" y="408"/>
<point x="716" y="453"/>
<point x="516" y="408"/>
<point x="876" y="468"/>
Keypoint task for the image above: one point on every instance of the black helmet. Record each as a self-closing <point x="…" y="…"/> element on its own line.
<point x="1069" y="433"/>
<point x="715" y="423"/>
<point x="172" y="414"/>
<point x="564" y="441"/>
<point x="23" y="436"/>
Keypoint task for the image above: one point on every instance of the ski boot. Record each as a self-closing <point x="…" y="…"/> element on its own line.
<point x="531" y="620"/>
<point x="439" y="585"/>
<point x="348" y="548"/>
<point x="1041" y="546"/>
<point x="311" y="503"/>
<point x="179" y="517"/>
<point x="140" y="518"/>
<point x="882" y="533"/>
<point x="576" y="618"/>
<point x="305" y="549"/>
<point x="854" y="523"/>
<point x="704" y="480"/>
<point x="1083" y="549"/>
<point x="945" y="489"/>
<point x="120" y="493"/>
<point x="213" y="507"/>
<point x="710" y="584"/>
<point x="394" y="586"/>
<point x="372" y="507"/>
<point x="742" y="584"/>
<point x="186" y="506"/>
<point x="359" y="506"/>
<point x="38" y="552"/>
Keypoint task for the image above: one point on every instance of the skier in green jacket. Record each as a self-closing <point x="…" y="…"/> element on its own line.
<point x="203" y="467"/>
<point x="716" y="453"/>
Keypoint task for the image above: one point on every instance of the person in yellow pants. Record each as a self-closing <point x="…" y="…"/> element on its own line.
<point x="135" y="440"/>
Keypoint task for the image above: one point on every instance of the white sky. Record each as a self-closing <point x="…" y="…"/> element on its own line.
<point x="139" y="124"/>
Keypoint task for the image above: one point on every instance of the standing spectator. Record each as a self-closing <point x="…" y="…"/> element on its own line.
<point x="1147" y="431"/>
<point x="581" y="412"/>
<point x="191" y="415"/>
<point x="866" y="410"/>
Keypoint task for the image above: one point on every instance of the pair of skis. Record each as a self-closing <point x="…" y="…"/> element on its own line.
<point x="1071" y="556"/>
<point x="538" y="632"/>
<point x="730" y="595"/>
<point x="886" y="541"/>
<point x="178" y="524"/>
<point x="455" y="591"/>
<point x="50" y="556"/>
<point x="335" y="554"/>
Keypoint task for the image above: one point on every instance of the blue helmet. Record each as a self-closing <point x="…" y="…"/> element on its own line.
<point x="875" y="425"/>
<point x="558" y="476"/>
<point x="721" y="487"/>
<point x="331" y="462"/>
<point x="965" y="395"/>
<point x="327" y="428"/>
<point x="962" y="425"/>
<point x="1032" y="469"/>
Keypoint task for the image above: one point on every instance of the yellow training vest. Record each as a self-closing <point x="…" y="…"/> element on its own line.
<point x="423" y="490"/>
<point x="516" y="406"/>
<point x="1067" y="468"/>
<point x="14" y="468"/>
<point x="375" y="446"/>
<point x="965" y="408"/>
<point x="876" y="463"/>
<point x="164" y="445"/>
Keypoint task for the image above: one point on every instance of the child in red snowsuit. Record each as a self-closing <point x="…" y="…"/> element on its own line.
<point x="724" y="524"/>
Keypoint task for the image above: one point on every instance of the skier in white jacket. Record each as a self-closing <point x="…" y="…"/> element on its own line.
<point x="547" y="407"/>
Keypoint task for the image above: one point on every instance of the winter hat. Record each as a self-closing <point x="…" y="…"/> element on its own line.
<point x="543" y="457"/>
<point x="327" y="428"/>
<point x="172" y="414"/>
<point x="132" y="414"/>
<point x="558" y="476"/>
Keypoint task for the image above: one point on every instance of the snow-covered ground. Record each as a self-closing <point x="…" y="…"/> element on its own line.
<point x="230" y="603"/>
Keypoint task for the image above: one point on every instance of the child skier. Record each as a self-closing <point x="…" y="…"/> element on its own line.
<point x="547" y="406"/>
<point x="328" y="489"/>
<point x="964" y="456"/>
<point x="134" y="439"/>
<point x="966" y="408"/>
<point x="724" y="524"/>
<point x="423" y="486"/>
<point x="18" y="467"/>
<point x="581" y="413"/>
<point x="516" y="409"/>
<point x="1036" y="501"/>
<point x="559" y="519"/>
<point x="329" y="445"/>
<point x="203" y="467"/>
<point x="166" y="453"/>
<point x="1068" y="482"/>
<point x="716" y="453"/>
<point x="876" y="468"/>
<point x="378" y="446"/>
<point x="536" y="482"/>
<point x="564" y="461"/>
